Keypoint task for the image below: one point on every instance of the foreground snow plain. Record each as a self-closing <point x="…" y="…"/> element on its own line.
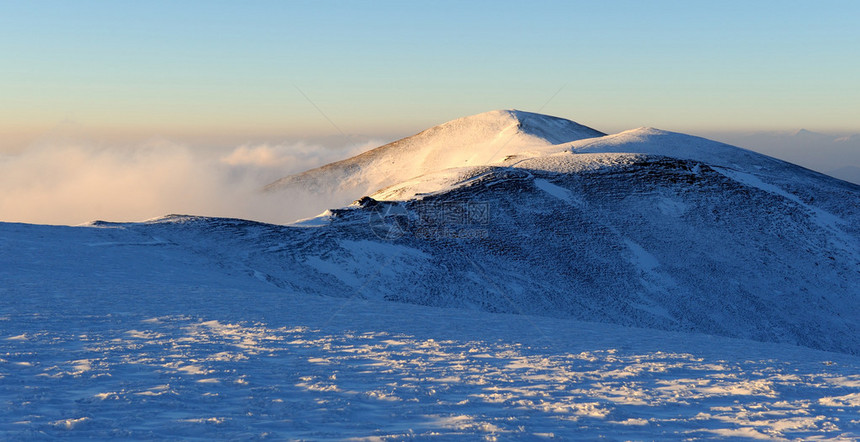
<point x="104" y="339"/>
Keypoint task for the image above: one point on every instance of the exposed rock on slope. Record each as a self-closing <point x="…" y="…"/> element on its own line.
<point x="515" y="212"/>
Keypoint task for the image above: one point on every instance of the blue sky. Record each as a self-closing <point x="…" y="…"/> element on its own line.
<point x="236" y="68"/>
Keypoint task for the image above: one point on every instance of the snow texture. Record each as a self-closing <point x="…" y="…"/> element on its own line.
<point x="195" y="354"/>
<point x="475" y="140"/>
<point x="512" y="276"/>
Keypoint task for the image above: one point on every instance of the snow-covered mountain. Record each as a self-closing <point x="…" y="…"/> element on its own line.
<point x="643" y="228"/>
<point x="834" y="155"/>
<point x="847" y="173"/>
<point x="118" y="332"/>
<point x="475" y="140"/>
<point x="490" y="264"/>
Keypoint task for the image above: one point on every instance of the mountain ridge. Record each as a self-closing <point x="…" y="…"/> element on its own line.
<point x="661" y="205"/>
<point x="474" y="139"/>
<point x="645" y="228"/>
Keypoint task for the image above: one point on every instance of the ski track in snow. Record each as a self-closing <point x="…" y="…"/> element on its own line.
<point x="428" y="372"/>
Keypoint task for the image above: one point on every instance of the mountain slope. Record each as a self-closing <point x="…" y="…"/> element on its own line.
<point x="644" y="228"/>
<point x="820" y="152"/>
<point x="633" y="239"/>
<point x="113" y="333"/>
<point x="477" y="139"/>
<point x="386" y="319"/>
<point x="110" y="332"/>
<point x="847" y="173"/>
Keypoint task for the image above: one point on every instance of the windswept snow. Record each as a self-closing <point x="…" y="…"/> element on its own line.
<point x="559" y="192"/>
<point x="651" y="141"/>
<point x="488" y="289"/>
<point x="475" y="140"/>
<point x="163" y="363"/>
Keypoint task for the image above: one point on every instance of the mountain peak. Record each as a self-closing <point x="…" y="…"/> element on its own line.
<point x="807" y="133"/>
<point x="474" y="140"/>
<point x="491" y="124"/>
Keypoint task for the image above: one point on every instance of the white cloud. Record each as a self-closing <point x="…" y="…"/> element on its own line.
<point x="72" y="183"/>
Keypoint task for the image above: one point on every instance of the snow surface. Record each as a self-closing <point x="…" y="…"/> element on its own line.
<point x="659" y="281"/>
<point x="646" y="228"/>
<point x="479" y="139"/>
<point x="138" y="339"/>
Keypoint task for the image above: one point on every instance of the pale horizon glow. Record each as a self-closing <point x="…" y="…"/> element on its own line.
<point x="198" y="67"/>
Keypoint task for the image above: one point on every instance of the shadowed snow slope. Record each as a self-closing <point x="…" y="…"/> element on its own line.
<point x="477" y="139"/>
<point x="644" y="228"/>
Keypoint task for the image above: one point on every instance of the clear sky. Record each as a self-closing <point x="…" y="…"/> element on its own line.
<point x="237" y="68"/>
